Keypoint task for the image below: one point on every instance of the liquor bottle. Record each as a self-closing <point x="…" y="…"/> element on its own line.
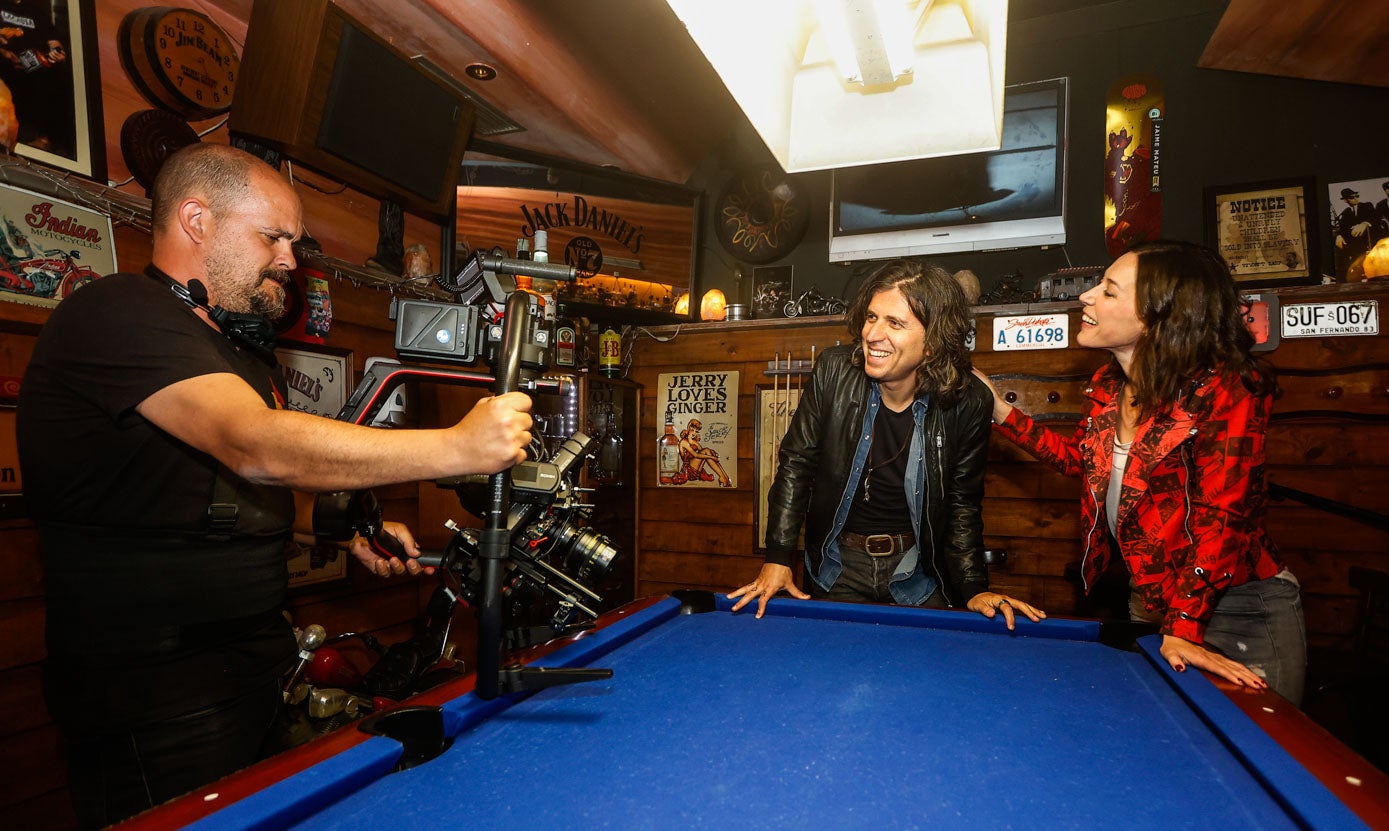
<point x="566" y="341"/>
<point x="546" y="288"/>
<point x="610" y="447"/>
<point x="668" y="453"/>
<point x="610" y="353"/>
<point x="523" y="252"/>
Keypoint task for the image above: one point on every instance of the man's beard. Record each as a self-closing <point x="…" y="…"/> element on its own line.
<point x="258" y="299"/>
<point x="271" y="305"/>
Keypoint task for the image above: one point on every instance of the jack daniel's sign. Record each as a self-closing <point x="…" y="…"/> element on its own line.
<point x="578" y="213"/>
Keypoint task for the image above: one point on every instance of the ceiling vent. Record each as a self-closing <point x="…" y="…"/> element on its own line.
<point x="489" y="120"/>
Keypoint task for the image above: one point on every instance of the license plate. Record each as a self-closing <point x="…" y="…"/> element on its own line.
<point x="1031" y="332"/>
<point x="1352" y="317"/>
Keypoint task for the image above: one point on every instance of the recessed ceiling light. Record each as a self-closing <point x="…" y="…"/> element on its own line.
<point x="480" y="71"/>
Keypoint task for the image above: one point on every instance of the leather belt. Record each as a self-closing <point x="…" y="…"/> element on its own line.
<point x="877" y="545"/>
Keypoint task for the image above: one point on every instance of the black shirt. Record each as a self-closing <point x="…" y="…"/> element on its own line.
<point x="884" y="511"/>
<point x="132" y="576"/>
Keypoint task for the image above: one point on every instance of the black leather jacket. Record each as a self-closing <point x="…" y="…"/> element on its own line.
<point x="817" y="455"/>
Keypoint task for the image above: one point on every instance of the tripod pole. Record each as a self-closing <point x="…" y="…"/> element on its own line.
<point x="495" y="539"/>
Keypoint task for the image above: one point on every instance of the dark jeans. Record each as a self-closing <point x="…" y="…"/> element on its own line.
<point x="1260" y="625"/>
<point x="865" y="580"/>
<point x="113" y="776"/>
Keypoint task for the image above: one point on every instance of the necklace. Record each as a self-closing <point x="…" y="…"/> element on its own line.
<point x="868" y="477"/>
<point x="1128" y="416"/>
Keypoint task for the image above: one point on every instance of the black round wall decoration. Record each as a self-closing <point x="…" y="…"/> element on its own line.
<point x="761" y="215"/>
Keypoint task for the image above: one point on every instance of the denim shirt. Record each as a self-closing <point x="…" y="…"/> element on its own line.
<point x="909" y="585"/>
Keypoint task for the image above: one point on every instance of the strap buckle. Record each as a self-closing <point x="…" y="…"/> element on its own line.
<point x="880" y="544"/>
<point x="221" y="518"/>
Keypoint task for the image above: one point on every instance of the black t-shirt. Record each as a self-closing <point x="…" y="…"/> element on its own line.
<point x="132" y="575"/>
<point x="885" y="472"/>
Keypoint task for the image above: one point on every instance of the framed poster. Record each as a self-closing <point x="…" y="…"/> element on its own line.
<point x="49" y="248"/>
<point x="50" y="63"/>
<point x="1264" y="231"/>
<point x="775" y="406"/>
<point x="319" y="378"/>
<point x="772" y="288"/>
<point x="702" y="409"/>
<point x="1358" y="218"/>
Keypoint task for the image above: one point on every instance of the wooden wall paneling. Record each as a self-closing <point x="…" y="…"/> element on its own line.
<point x="34" y="776"/>
<point x="21" y="622"/>
<point x="19" y="561"/>
<point x="1325" y="442"/>
<point x="705" y="526"/>
<point x="1340" y="391"/>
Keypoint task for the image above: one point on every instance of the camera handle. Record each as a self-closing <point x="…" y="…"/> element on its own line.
<point x="494" y="545"/>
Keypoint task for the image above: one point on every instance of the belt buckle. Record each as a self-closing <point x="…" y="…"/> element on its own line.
<point x="879" y="544"/>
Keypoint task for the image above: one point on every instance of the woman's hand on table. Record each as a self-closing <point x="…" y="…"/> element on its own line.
<point x="1182" y="653"/>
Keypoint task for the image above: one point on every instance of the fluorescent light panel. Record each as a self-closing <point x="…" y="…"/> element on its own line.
<point x="816" y="109"/>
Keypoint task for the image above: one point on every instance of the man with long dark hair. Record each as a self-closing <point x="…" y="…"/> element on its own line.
<point x="884" y="460"/>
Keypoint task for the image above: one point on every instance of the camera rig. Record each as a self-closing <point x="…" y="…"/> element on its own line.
<point x="523" y="508"/>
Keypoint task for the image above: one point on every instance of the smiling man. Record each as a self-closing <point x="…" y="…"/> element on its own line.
<point x="884" y="460"/>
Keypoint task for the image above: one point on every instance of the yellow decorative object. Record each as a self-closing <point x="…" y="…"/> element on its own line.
<point x="1377" y="260"/>
<point x="682" y="305"/>
<point x="714" y="305"/>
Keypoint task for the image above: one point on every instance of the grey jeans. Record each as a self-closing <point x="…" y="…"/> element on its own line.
<point x="1260" y="625"/>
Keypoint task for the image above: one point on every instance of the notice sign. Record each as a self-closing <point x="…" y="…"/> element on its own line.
<point x="1031" y="332"/>
<point x="1355" y="317"/>
<point x="1262" y="232"/>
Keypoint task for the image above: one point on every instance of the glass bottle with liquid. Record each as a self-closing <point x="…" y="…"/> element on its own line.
<point x="610" y="446"/>
<point x="668" y="452"/>
<point x="610" y="353"/>
<point x="540" y="252"/>
<point x="566" y="342"/>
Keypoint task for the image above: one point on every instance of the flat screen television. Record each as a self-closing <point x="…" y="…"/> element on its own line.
<point x="325" y="90"/>
<point x="1012" y="197"/>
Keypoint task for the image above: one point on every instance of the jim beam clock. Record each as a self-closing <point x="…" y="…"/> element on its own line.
<point x="180" y="60"/>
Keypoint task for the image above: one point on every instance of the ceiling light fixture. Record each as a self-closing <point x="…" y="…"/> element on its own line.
<point x="835" y="83"/>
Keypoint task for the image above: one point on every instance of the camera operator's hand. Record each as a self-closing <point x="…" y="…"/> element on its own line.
<point x="381" y="566"/>
<point x="494" y="434"/>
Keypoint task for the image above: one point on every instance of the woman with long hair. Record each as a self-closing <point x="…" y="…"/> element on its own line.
<point x="1171" y="448"/>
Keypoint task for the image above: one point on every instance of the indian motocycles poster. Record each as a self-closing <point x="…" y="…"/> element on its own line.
<point x="697" y="429"/>
<point x="49" y="248"/>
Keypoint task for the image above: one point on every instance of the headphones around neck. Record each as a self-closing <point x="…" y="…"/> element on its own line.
<point x="252" y="331"/>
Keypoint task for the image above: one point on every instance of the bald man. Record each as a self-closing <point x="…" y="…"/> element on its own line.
<point x="160" y="464"/>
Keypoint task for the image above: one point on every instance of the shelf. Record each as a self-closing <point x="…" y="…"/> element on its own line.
<point x="622" y="315"/>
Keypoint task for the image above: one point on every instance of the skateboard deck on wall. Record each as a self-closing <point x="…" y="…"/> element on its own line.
<point x="1132" y="163"/>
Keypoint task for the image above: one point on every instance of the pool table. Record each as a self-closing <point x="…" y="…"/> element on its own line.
<point x="820" y="715"/>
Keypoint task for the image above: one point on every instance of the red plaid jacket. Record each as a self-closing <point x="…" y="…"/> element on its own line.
<point x="1195" y="494"/>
